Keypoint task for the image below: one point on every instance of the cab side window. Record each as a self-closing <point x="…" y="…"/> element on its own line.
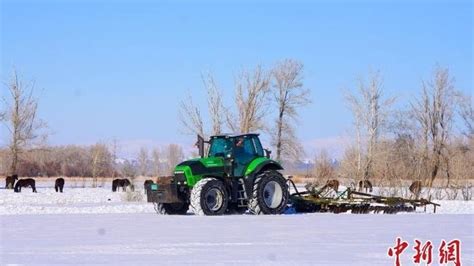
<point x="249" y="147"/>
<point x="258" y="147"/>
<point x="244" y="153"/>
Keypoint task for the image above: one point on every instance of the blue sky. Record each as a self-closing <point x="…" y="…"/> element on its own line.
<point x="106" y="70"/>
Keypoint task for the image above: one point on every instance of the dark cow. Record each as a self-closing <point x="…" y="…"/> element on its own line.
<point x="59" y="185"/>
<point x="121" y="183"/>
<point x="415" y="188"/>
<point x="148" y="184"/>
<point x="10" y="181"/>
<point x="365" y="184"/>
<point x="28" y="182"/>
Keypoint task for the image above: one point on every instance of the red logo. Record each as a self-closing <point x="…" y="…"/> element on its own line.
<point x="423" y="253"/>
<point x="397" y="250"/>
<point x="449" y="253"/>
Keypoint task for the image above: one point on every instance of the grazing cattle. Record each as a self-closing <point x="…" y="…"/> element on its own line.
<point x="148" y="184"/>
<point x="59" y="185"/>
<point x="10" y="181"/>
<point x="415" y="188"/>
<point x="334" y="184"/>
<point x="28" y="182"/>
<point x="121" y="183"/>
<point x="365" y="184"/>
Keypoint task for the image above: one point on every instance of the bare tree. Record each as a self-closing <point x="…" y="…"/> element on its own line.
<point x="20" y="117"/>
<point x="355" y="107"/>
<point x="101" y="162"/>
<point x="434" y="114"/>
<point x="75" y="160"/>
<point x="174" y="155"/>
<point x="3" y="115"/>
<point x="420" y="112"/>
<point x="190" y="114"/>
<point x="251" y="99"/>
<point x="370" y="110"/>
<point x="114" y="149"/>
<point x="190" y="117"/>
<point x="4" y="162"/>
<point x="289" y="95"/>
<point x="129" y="169"/>
<point x="214" y="103"/>
<point x="323" y="167"/>
<point x="251" y="91"/>
<point x="143" y="161"/>
<point x="156" y="156"/>
<point x="467" y="114"/>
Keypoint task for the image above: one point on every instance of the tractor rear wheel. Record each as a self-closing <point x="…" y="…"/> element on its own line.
<point x="209" y="197"/>
<point x="171" y="208"/>
<point x="270" y="194"/>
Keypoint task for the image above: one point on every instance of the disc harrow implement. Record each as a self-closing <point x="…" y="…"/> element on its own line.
<point x="327" y="200"/>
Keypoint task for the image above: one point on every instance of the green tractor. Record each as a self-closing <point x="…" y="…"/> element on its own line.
<point x="236" y="176"/>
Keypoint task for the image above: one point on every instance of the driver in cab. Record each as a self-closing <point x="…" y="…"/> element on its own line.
<point x="242" y="156"/>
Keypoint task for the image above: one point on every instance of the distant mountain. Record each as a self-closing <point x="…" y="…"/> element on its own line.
<point x="304" y="167"/>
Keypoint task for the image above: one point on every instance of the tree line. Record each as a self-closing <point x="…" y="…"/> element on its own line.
<point x="428" y="138"/>
<point x="260" y="95"/>
<point x="95" y="161"/>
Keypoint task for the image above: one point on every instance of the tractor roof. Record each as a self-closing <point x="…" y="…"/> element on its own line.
<point x="234" y="135"/>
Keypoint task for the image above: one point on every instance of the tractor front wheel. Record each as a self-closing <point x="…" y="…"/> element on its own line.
<point x="270" y="194"/>
<point x="209" y="197"/>
<point x="171" y="208"/>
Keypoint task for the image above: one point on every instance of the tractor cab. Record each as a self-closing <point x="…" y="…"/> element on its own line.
<point x="237" y="150"/>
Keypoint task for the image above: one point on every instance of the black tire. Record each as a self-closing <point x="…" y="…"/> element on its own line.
<point x="171" y="208"/>
<point x="209" y="197"/>
<point x="262" y="201"/>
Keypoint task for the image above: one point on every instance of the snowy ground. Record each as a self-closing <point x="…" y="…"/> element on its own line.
<point x="310" y="239"/>
<point x="103" y="200"/>
<point x="77" y="200"/>
<point x="96" y="226"/>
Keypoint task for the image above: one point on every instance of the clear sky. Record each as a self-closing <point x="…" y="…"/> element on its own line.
<point x="105" y="70"/>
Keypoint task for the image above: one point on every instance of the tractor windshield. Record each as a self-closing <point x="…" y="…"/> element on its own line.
<point x="220" y="147"/>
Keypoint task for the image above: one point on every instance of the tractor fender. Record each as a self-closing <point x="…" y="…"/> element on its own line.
<point x="256" y="167"/>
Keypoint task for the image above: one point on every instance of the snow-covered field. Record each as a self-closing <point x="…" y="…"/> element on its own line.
<point x="103" y="200"/>
<point x="97" y="226"/>
<point x="76" y="200"/>
<point x="145" y="238"/>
